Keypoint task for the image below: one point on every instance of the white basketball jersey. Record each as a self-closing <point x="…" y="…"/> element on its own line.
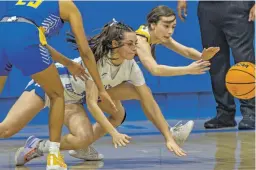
<point x="74" y="90"/>
<point x="111" y="76"/>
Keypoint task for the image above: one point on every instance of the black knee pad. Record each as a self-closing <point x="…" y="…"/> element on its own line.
<point x="123" y="118"/>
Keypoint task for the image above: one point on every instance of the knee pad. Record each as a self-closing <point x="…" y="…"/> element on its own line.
<point x="123" y="118"/>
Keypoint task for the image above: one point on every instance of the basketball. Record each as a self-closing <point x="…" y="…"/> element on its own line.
<point x="240" y="80"/>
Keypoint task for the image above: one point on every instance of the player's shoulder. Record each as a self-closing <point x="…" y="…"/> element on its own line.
<point x="143" y="32"/>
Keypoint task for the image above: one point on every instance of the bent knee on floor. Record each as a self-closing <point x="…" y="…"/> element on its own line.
<point x="119" y="117"/>
<point x="84" y="139"/>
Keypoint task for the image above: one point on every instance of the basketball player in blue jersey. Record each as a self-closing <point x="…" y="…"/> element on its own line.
<point x="114" y="49"/>
<point x="24" y="30"/>
<point x="161" y="22"/>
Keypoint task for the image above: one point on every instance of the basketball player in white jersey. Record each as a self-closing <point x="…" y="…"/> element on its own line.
<point x="114" y="49"/>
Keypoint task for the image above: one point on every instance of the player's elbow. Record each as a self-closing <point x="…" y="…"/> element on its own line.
<point x="155" y="71"/>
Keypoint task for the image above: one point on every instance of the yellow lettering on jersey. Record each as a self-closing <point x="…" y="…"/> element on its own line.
<point x="34" y="4"/>
<point x="20" y="2"/>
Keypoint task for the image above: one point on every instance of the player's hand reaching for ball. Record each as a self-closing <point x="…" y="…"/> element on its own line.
<point x="252" y="15"/>
<point x="198" y="67"/>
<point x="120" y="139"/>
<point x="209" y="53"/>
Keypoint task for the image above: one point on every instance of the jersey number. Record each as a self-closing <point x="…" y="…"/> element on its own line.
<point x="33" y="4"/>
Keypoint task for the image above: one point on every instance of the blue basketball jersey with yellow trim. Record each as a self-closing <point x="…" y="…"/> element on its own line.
<point x="43" y="13"/>
<point x="144" y="32"/>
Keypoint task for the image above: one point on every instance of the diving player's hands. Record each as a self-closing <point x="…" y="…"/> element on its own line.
<point x="182" y="9"/>
<point x="198" y="67"/>
<point x="252" y="15"/>
<point x="210" y="52"/>
<point x="104" y="97"/>
<point x="120" y="139"/>
<point x="77" y="71"/>
<point x="173" y="147"/>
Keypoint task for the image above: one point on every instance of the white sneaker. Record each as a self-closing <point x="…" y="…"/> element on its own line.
<point x="181" y="132"/>
<point x="88" y="154"/>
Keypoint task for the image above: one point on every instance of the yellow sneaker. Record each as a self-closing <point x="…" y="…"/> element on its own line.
<point x="55" y="163"/>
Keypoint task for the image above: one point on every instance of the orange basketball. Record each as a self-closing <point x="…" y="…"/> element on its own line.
<point x="240" y="80"/>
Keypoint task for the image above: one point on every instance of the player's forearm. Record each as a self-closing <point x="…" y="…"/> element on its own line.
<point x="193" y="54"/>
<point x="101" y="118"/>
<point x="91" y="65"/>
<point x="163" y="70"/>
<point x="58" y="57"/>
<point x="152" y="109"/>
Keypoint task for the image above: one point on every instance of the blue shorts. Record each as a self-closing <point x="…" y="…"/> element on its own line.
<point x="20" y="46"/>
<point x="32" y="85"/>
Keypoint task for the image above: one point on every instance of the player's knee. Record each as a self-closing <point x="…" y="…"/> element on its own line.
<point x="120" y="118"/>
<point x="84" y="139"/>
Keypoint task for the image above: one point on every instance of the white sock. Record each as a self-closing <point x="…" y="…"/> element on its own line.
<point x="54" y="148"/>
<point x="44" y="146"/>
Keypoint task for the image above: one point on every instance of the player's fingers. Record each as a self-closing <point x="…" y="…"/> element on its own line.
<point x="205" y="69"/>
<point x="115" y="145"/>
<point x="199" y="61"/>
<point x="182" y="153"/>
<point x="122" y="143"/>
<point x="81" y="78"/>
<point x="177" y="152"/>
<point x="180" y="13"/>
<point x="84" y="72"/>
<point x="250" y="16"/>
<point x="170" y="149"/>
<point x="202" y="72"/>
<point x="253" y="16"/>
<point x="216" y="49"/>
<point x="205" y="63"/>
<point x="128" y="137"/>
<point x="75" y="78"/>
<point x="119" y="144"/>
<point x="185" y="12"/>
<point x="126" y="141"/>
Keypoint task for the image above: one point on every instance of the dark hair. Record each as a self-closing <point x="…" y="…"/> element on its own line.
<point x="158" y="12"/>
<point x="101" y="44"/>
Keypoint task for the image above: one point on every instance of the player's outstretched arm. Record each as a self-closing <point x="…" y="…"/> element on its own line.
<point x="189" y="52"/>
<point x="153" y="111"/>
<point x="97" y="113"/>
<point x="145" y="55"/>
